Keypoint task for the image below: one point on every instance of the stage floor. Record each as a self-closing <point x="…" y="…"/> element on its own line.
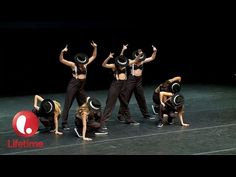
<point x="209" y="109"/>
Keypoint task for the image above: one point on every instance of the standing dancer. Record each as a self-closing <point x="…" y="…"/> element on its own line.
<point x="117" y="86"/>
<point x="135" y="85"/>
<point x="75" y="88"/>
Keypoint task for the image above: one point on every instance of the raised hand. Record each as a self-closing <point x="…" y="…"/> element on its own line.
<point x="154" y="48"/>
<point x="125" y="47"/>
<point x="93" y="44"/>
<point x="65" y="49"/>
<point x="111" y="55"/>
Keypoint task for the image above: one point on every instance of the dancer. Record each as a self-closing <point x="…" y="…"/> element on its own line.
<point x="135" y="85"/>
<point x="172" y="105"/>
<point x="168" y="100"/>
<point x="48" y="113"/>
<point x="87" y="119"/>
<point x="75" y="88"/>
<point x="117" y="86"/>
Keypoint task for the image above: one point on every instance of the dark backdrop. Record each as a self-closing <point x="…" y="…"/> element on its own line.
<point x="192" y="44"/>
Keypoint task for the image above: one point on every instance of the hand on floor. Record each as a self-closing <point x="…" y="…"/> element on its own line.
<point x="87" y="139"/>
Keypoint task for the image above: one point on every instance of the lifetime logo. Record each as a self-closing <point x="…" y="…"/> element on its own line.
<point x="25" y="124"/>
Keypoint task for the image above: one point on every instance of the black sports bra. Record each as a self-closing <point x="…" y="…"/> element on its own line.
<point x="138" y="67"/>
<point x="120" y="71"/>
<point x="79" y="70"/>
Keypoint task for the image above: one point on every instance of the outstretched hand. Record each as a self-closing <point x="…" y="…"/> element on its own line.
<point x="93" y="44"/>
<point x="65" y="49"/>
<point x="125" y="47"/>
<point x="111" y="55"/>
<point x="154" y="48"/>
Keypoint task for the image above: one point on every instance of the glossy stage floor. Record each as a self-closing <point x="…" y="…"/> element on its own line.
<point x="209" y="109"/>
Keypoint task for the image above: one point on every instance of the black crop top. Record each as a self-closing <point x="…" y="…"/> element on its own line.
<point x="138" y="67"/>
<point x="80" y="70"/>
<point x="120" y="71"/>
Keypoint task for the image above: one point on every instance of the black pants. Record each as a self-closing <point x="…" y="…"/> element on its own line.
<point x="92" y="124"/>
<point x="134" y="85"/>
<point x="75" y="89"/>
<point x="116" y="91"/>
<point x="166" y="110"/>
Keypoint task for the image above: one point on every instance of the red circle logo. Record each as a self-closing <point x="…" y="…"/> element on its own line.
<point x="25" y="123"/>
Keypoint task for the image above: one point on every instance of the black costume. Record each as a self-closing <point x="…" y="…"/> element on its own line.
<point x="46" y="113"/>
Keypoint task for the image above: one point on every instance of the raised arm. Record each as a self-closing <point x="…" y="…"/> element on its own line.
<point x="123" y="49"/>
<point x="105" y="63"/>
<point x="94" y="52"/>
<point x="63" y="60"/>
<point x="153" y="55"/>
<point x="37" y="99"/>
